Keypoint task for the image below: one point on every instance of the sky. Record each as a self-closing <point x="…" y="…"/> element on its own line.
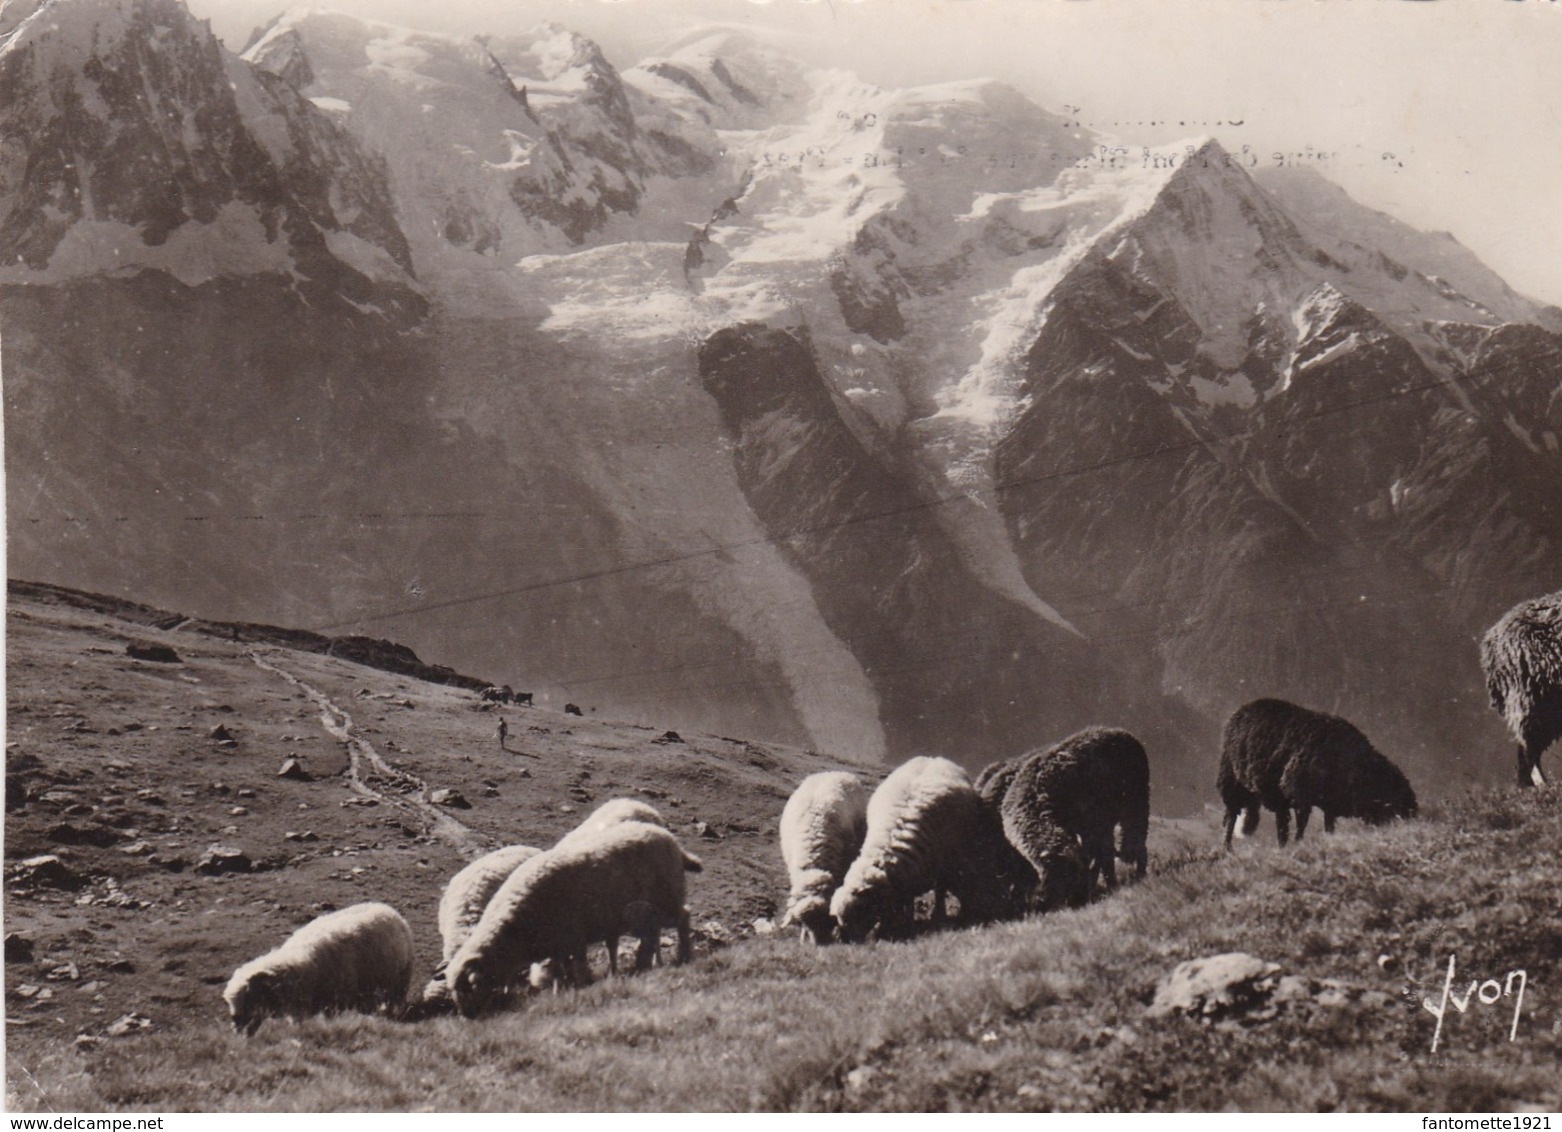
<point x="1443" y="113"/>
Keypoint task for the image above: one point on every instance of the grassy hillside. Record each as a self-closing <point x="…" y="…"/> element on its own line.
<point x="1050" y="1013"/>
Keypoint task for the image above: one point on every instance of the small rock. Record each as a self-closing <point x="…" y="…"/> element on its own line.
<point x="1388" y="964"/>
<point x="764" y="926"/>
<point x="306" y="835"/>
<point x="238" y="811"/>
<point x="860" y="1076"/>
<point x="18" y="948"/>
<point x="27" y="990"/>
<point x="1215" y="985"/>
<point x="223" y="859"/>
<point x="91" y="988"/>
<point x="67" y="972"/>
<point x="133" y="725"/>
<point x="221" y="788"/>
<point x="566" y="808"/>
<point x="246" y="792"/>
<point x="668" y="737"/>
<point x="292" y="768"/>
<point x="1029" y="1092"/>
<point x="120" y="967"/>
<point x="445" y="796"/>
<point x="228" y="744"/>
<point x="128" y="1024"/>
<point x="47" y="871"/>
<point x="87" y="1041"/>
<point x="44" y="995"/>
<point x="219" y="733"/>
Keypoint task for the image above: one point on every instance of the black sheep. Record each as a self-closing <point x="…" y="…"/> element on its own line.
<point x="1286" y="757"/>
<point x="1522" y="658"/>
<point x="1062" y="805"/>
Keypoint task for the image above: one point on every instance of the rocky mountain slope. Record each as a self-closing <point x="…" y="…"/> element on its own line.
<point x="732" y="393"/>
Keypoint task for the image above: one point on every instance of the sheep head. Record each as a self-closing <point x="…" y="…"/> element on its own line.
<point x="471" y="986"/>
<point x="252" y="1001"/>
<point x="812" y="915"/>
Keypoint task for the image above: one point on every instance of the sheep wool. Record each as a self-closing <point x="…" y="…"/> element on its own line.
<point x="627" y="878"/>
<point x="1521" y="656"/>
<point x="359" y="958"/>
<point x="468" y="893"/>
<point x="927" y="829"/>
<point x="611" y="813"/>
<point x="1063" y="805"/>
<point x="1284" y="757"/>
<point x="821" y="832"/>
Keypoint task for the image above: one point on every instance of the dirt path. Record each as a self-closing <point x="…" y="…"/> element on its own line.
<point x="365" y="766"/>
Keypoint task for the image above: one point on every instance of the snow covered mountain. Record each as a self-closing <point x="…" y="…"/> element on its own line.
<point x="728" y="392"/>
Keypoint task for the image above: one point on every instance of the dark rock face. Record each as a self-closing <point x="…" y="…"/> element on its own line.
<point x="888" y="580"/>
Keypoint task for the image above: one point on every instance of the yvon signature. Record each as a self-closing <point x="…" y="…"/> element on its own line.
<point x="1487" y="993"/>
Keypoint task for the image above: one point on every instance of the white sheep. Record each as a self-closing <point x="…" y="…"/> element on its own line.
<point x="822" y="830"/>
<point x="461" y="906"/>
<point x="359" y="958"/>
<point x="469" y="891"/>
<point x="613" y="812"/>
<point x="927" y="829"/>
<point x="629" y="877"/>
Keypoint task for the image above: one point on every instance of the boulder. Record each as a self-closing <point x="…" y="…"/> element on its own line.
<point x="223" y="859"/>
<point x="47" y="871"/>
<point x="1216" y="986"/>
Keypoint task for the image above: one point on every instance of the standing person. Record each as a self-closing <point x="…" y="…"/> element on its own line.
<point x="504" y="732"/>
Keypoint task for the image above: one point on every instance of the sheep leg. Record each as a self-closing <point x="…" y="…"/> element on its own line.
<point x="612" y="954"/>
<point x="1231" y="823"/>
<point x="1283" y="825"/>
<point x="940" y="908"/>
<point x="1303" y="813"/>
<point x="685" y="945"/>
<point x="650" y="945"/>
<point x="1529" y="765"/>
<point x="1328" y="823"/>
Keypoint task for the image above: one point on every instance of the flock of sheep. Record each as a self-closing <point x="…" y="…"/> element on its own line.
<point x="1031" y="833"/>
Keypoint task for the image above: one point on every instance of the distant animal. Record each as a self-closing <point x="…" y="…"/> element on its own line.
<point x="524" y="699"/>
<point x="1288" y="758"/>
<point x="629" y="877"/>
<point x="493" y="695"/>
<point x="359" y="958"/>
<point x="572" y="709"/>
<point x="1060" y="807"/>
<point x="927" y="829"/>
<point x="1521" y="656"/>
<point x="822" y="831"/>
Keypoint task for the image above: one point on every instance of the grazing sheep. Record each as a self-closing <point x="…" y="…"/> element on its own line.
<point x="927" y="829"/>
<point x="994" y="780"/>
<point x="1286" y="757"/>
<point x="822" y="830"/>
<point x="1522" y="658"/>
<point x="461" y="907"/>
<point x="611" y="813"/>
<point x="469" y="891"/>
<point x="1062" y="805"/>
<point x="359" y="958"/>
<point x="629" y="877"/>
